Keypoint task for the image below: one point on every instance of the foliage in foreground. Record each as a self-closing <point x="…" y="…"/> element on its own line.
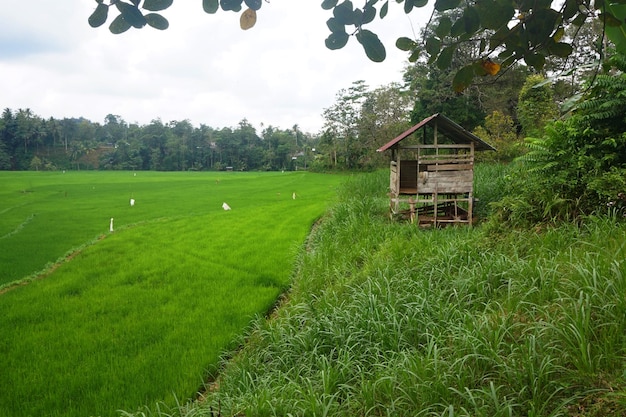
<point x="387" y="319"/>
<point x="578" y="166"/>
<point x="507" y="31"/>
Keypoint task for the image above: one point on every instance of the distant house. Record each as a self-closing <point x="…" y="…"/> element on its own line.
<point x="432" y="175"/>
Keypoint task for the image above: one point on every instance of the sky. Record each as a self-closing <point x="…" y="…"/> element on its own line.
<point x="204" y="68"/>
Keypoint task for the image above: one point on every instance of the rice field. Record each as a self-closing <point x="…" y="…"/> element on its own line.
<point x="379" y="318"/>
<point x="93" y="321"/>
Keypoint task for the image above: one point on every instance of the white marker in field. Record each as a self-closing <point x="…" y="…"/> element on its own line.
<point x="132" y="202"/>
<point x="225" y="206"/>
<point x="111" y="225"/>
<point x="293" y="196"/>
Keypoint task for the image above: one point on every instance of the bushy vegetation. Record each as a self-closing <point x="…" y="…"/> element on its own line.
<point x="500" y="131"/>
<point x="387" y="319"/>
<point x="578" y="165"/>
<point x="536" y="105"/>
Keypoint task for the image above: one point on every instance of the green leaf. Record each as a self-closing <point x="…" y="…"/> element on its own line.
<point x="357" y="17"/>
<point x="408" y="6"/>
<point x="495" y="14"/>
<point x="471" y="20"/>
<point x="499" y="37"/>
<point x="369" y="14"/>
<point x="561" y="49"/>
<point x="443" y="28"/>
<point x="458" y="28"/>
<point x="420" y="3"/>
<point x="504" y="54"/>
<point x="131" y="15"/>
<point x="231" y="5"/>
<point x="384" y="10"/>
<point x="210" y="6"/>
<point x="99" y="16"/>
<point x="463" y="78"/>
<point x="443" y="5"/>
<point x="119" y="25"/>
<point x="415" y="55"/>
<point x="525" y="6"/>
<point x="509" y="61"/>
<point x="406" y="44"/>
<point x="335" y="26"/>
<point x="344" y="13"/>
<point x="329" y="4"/>
<point x="336" y="40"/>
<point x="617" y="34"/>
<point x="609" y="19"/>
<point x="570" y="10"/>
<point x="433" y="46"/>
<point x="445" y="57"/>
<point x="374" y="48"/>
<point x="535" y="60"/>
<point x="540" y="25"/>
<point x="156" y="5"/>
<point x="580" y="19"/>
<point x="479" y="69"/>
<point x="157" y="21"/>
<point x="254" y="4"/>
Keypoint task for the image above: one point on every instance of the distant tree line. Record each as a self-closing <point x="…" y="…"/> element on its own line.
<point x="30" y="142"/>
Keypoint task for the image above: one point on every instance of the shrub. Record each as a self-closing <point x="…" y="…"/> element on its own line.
<point x="500" y="131"/>
<point x="577" y="166"/>
<point x="536" y="105"/>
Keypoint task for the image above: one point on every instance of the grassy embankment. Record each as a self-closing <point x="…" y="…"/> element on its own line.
<point x="385" y="319"/>
<point x="142" y="314"/>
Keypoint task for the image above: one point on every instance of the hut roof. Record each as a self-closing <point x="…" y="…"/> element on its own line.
<point x="450" y="129"/>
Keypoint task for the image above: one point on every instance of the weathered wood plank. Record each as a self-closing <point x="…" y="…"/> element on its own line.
<point x="449" y="167"/>
<point x="466" y="175"/>
<point x="447" y="159"/>
<point x="439" y="146"/>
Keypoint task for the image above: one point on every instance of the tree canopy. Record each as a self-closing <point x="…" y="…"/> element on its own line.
<point x="28" y="141"/>
<point x="504" y="31"/>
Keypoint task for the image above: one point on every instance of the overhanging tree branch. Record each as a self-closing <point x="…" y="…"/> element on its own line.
<point x="509" y="30"/>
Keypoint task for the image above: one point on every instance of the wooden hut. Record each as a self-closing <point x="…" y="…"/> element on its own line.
<point x="432" y="177"/>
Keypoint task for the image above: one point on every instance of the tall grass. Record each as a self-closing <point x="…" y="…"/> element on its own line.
<point x="386" y="319"/>
<point x="489" y="186"/>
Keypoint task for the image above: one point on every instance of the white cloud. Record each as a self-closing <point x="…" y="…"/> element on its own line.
<point x="203" y="68"/>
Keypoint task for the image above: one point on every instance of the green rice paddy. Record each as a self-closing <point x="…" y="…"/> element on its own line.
<point x="94" y="321"/>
